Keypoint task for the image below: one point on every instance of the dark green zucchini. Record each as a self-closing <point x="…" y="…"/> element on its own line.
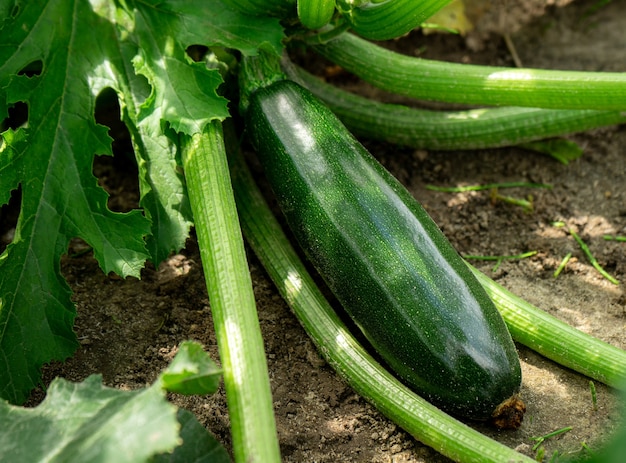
<point x="384" y="258"/>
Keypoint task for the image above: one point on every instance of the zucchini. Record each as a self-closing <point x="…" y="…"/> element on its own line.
<point x="384" y="258"/>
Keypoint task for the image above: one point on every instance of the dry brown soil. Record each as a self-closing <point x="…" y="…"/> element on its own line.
<point x="129" y="329"/>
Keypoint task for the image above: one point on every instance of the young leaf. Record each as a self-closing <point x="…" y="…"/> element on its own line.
<point x="183" y="93"/>
<point x="191" y="372"/>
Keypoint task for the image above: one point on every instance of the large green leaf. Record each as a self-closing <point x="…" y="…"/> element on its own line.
<point x="175" y="93"/>
<point x="60" y="196"/>
<point x="88" y="422"/>
<point x="137" y="49"/>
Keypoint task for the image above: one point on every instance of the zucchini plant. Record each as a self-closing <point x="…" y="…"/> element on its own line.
<point x="57" y="57"/>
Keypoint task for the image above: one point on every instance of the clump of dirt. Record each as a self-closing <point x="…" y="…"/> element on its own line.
<point x="130" y="329"/>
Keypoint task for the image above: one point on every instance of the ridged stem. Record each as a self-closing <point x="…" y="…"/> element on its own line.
<point x="388" y="19"/>
<point x="555" y="339"/>
<point x="233" y="307"/>
<point x="450" y="130"/>
<point x="473" y="84"/>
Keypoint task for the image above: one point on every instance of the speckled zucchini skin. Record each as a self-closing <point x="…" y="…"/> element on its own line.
<point x="386" y="261"/>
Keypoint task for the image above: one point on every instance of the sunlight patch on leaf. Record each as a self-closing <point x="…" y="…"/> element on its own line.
<point x="215" y="23"/>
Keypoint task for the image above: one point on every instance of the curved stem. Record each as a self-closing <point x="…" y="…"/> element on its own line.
<point x="450" y="130"/>
<point x="555" y="339"/>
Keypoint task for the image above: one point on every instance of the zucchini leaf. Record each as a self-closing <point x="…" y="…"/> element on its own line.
<point x="57" y="56"/>
<point x="191" y="372"/>
<point x="52" y="163"/>
<point x="90" y="422"/>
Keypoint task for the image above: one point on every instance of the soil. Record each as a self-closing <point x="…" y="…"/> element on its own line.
<point x="129" y="329"/>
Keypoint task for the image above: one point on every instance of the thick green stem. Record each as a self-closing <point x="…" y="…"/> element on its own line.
<point x="450" y="130"/>
<point x="368" y="378"/>
<point x="479" y="85"/>
<point x="233" y="306"/>
<point x="555" y="339"/>
<point x="388" y="19"/>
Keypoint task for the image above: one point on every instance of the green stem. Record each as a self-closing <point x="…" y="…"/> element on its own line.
<point x="232" y="301"/>
<point x="388" y="19"/>
<point x="257" y="72"/>
<point x="474" y="84"/>
<point x="449" y="130"/>
<point x="368" y="378"/>
<point x="555" y="339"/>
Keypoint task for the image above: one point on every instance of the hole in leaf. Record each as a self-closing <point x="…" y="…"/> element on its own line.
<point x="117" y="174"/>
<point x="17" y="116"/>
<point x="33" y="68"/>
<point x="197" y="52"/>
<point x="9" y="213"/>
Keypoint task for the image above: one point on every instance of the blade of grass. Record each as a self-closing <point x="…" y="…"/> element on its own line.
<point x="541" y="439"/>
<point x="526" y="204"/>
<point x="592" y="260"/>
<point x="487" y="186"/>
<point x="232" y="301"/>
<point x="614" y="238"/>
<point x="500" y="259"/>
<point x="562" y="265"/>
<point x="368" y="378"/>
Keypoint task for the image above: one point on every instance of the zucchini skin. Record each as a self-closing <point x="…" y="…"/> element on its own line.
<point x="382" y="256"/>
